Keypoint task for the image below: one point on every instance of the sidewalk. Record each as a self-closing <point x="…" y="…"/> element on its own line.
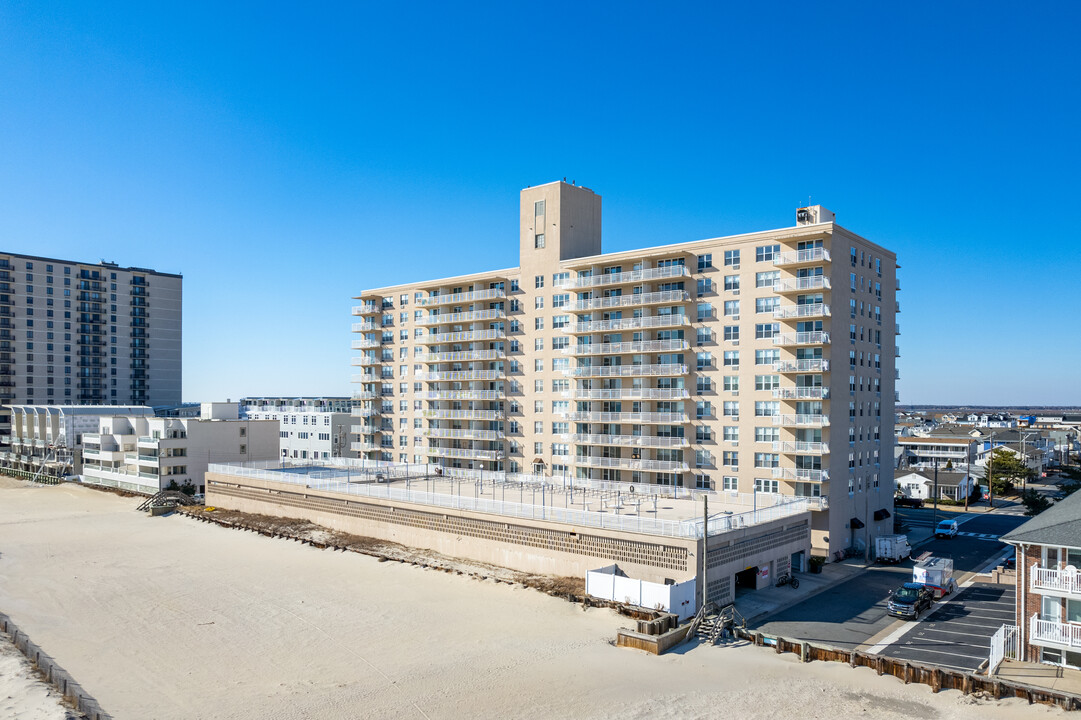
<point x="756" y="604"/>
<point x="1052" y="677"/>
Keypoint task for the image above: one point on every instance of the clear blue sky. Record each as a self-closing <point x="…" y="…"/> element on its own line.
<point x="277" y="156"/>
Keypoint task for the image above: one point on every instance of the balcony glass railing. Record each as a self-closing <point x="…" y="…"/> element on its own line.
<point x="625" y="348"/>
<point x="792" y="312"/>
<point x="462" y="376"/>
<point x="461" y="337"/>
<point x="463" y="356"/>
<point x="461" y="298"/>
<point x="801" y="366"/>
<point x="797" y="447"/>
<point x="801" y="393"/>
<point x="802" y="257"/>
<point x="801" y="420"/>
<point x="629" y="394"/>
<point x="620" y="324"/>
<point x="463" y="414"/>
<point x="462" y="317"/>
<point x="801" y="475"/>
<point x="648" y="441"/>
<point x="645" y="418"/>
<point x="630" y="464"/>
<point x="632" y="300"/>
<point x="466" y="434"/>
<point x="816" y="337"/>
<point x="804" y="284"/>
<point x="633" y="276"/>
<point x="621" y="371"/>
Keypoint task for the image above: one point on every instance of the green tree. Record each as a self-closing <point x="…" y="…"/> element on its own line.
<point x="1034" y="502"/>
<point x="187" y="488"/>
<point x="949" y="464"/>
<point x="1004" y="469"/>
<point x="172" y="485"/>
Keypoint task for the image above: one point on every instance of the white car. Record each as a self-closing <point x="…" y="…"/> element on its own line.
<point x="946" y="529"/>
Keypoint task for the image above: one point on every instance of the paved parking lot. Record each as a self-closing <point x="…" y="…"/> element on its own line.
<point x="958" y="633"/>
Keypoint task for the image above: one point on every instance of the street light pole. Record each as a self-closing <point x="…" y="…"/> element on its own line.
<point x="934" y="517"/>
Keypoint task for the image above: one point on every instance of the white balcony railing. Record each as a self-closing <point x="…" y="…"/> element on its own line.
<point x="1058" y="581"/>
<point x="620" y="324"/>
<point x="801" y="393"/>
<point x="461" y="337"/>
<point x="623" y="278"/>
<point x="462" y="317"/>
<point x="802" y="257"/>
<point x="367" y="309"/>
<point x="627" y="440"/>
<point x="462" y="375"/>
<point x="803" y="284"/>
<point x="624" y="348"/>
<point x="801" y="475"/>
<point x="796" y="447"/>
<point x="365" y="411"/>
<point x="366" y="343"/>
<point x="466" y="434"/>
<point x="632" y="300"/>
<point x="463" y="453"/>
<point x="463" y="356"/>
<point x="614" y="371"/>
<point x="790" y="312"/>
<point x="463" y="414"/>
<point x="801" y="420"/>
<point x="817" y="337"/>
<point x="462" y="395"/>
<point x="629" y="394"/>
<point x="631" y="464"/>
<point x="363" y="446"/>
<point x="365" y="360"/>
<point x="645" y="418"/>
<point x="801" y="366"/>
<point x="459" y="298"/>
<point x="366" y="326"/>
<point x="1050" y="632"/>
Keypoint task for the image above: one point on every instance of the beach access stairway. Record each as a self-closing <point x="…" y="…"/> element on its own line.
<point x="166" y="499"/>
<point x="711" y="623"/>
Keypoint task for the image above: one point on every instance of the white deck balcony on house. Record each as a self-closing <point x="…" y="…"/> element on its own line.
<point x="795" y="447"/>
<point x="622" y="463"/>
<point x="462" y="337"/>
<point x="366" y="343"/>
<point x="648" y="441"/>
<point x="801" y="420"/>
<point x="812" y="365"/>
<point x="462" y="356"/>
<point x="629" y="394"/>
<point x="462" y="298"/>
<point x="461" y="395"/>
<point x="643" y="418"/>
<point x="802" y="284"/>
<point x="621" y="371"/>
<point x="366" y="326"/>
<point x="801" y="393"/>
<point x="462" y="375"/>
<point x="439" y="414"/>
<point x="799" y="312"/>
<point x="817" y="337"/>
<point x="463" y="434"/>
<point x="1054" y="634"/>
<point x="800" y="474"/>
<point x="367" y="309"/>
<point x="462" y="453"/>
<point x="632" y="323"/>
<point x="1061" y="583"/>
<point x="462" y="317"/>
<point x="624" y="278"/>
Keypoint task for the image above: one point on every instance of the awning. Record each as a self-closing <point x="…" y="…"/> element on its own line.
<point x="882" y="514"/>
<point x="855" y="523"/>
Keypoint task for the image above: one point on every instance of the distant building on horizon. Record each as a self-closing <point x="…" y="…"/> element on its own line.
<point x="310" y="428"/>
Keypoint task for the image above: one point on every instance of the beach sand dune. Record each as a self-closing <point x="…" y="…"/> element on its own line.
<point x="171" y="618"/>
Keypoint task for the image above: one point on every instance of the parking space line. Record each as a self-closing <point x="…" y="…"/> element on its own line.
<point x="952" y="643"/>
<point x="964" y="668"/>
<point x="942" y="652"/>
<point x="956" y="632"/>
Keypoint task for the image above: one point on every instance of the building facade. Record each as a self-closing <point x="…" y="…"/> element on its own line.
<point x="83" y="334"/>
<point x="758" y="362"/>
<point x="143" y="453"/>
<point x="1048" y="584"/>
<point x="308" y="428"/>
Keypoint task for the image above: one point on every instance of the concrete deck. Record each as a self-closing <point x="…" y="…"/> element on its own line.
<point x="1052" y="677"/>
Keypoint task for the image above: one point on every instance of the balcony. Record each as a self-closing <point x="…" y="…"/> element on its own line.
<point x="621" y="324"/>
<point x="367" y="309"/>
<point x="799" y="312"/>
<point x="366" y="395"/>
<point x="462" y="376"/>
<point x="626" y="348"/>
<point x="804" y="284"/>
<point x="631" y="464"/>
<point x="366" y="326"/>
<point x="817" y="337"/>
<point x="629" y="394"/>
<point x="462" y="317"/>
<point x="801" y="393"/>
<point x="366" y="343"/>
<point x="665" y="297"/>
<point x="466" y="434"/>
<point x="621" y="371"/>
<point x="466" y="415"/>
<point x="464" y="453"/>
<point x="634" y="276"/>
<point x="463" y="356"/>
<point x="796" y="447"/>
<point x="462" y="395"/>
<point x="643" y="418"/>
<point x="363" y="446"/>
<point x="1046" y="581"/>
<point x="461" y="298"/>
<point x="801" y="420"/>
<point x="812" y="256"/>
<point x="364" y="412"/>
<point x="801" y="366"/>
<point x="366" y="360"/>
<point x="1054" y="634"/>
<point x="801" y="475"/>
<point x="462" y="337"/>
<point x="648" y="441"/>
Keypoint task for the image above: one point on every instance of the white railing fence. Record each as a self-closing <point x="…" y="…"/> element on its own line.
<point x="1004" y="646"/>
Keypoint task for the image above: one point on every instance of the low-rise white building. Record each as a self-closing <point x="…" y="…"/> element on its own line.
<point x="142" y="453"/>
<point x="309" y="428"/>
<point x="921" y="484"/>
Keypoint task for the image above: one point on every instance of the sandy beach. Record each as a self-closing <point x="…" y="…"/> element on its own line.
<point x="171" y="618"/>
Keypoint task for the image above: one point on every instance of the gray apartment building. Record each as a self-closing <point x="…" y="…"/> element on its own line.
<point x="756" y="363"/>
<point x="76" y="333"/>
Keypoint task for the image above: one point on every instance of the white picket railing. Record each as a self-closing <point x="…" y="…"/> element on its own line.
<point x="1004" y="646"/>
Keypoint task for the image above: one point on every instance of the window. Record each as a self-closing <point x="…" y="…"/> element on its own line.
<point x="731" y="332"/>
<point x="764" y="485"/>
<point x="702" y="458"/>
<point x="731" y="308"/>
<point x="538" y="302"/>
<point x="538" y="344"/>
<point x="766" y="357"/>
<point x="731" y="358"/>
<point x="538" y="323"/>
<point x="731" y="433"/>
<point x="538" y="428"/>
<point x="705" y="285"/>
<point x="767" y="434"/>
<point x="731" y="282"/>
<point x="560" y="321"/>
<point x="766" y="460"/>
<point x="560" y="364"/>
<point x="538" y="365"/>
<point x="767" y="382"/>
<point x="703" y="336"/>
<point x="703" y="409"/>
<point x="560" y="342"/>
<point x="766" y="279"/>
<point x="766" y="304"/>
<point x="538" y="386"/>
<point x="705" y="311"/>
<point x="560" y="278"/>
<point x="704" y="385"/>
<point x="731" y="383"/>
<point x="767" y="408"/>
<point x="702" y="482"/>
<point x="729" y="483"/>
<point x="701" y="434"/>
<point x="766" y="330"/>
<point x="766" y="253"/>
<point x="730" y="458"/>
<point x="538" y="240"/>
<point x="560" y="300"/>
<point x="704" y="360"/>
<point x="731" y="408"/>
<point x="731" y="258"/>
<point x="514" y="287"/>
<point x="538" y="281"/>
<point x="705" y="261"/>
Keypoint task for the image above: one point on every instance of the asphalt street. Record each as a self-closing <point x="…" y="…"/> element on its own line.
<point x="958" y="633"/>
<point x="849" y="615"/>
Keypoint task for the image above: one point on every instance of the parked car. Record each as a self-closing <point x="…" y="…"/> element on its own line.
<point x="1010" y="563"/>
<point x="892" y="548"/>
<point x="946" y="529"/>
<point x="907" y="502"/>
<point x="909" y="601"/>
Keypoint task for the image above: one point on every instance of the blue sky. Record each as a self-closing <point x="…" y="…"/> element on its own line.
<point x="278" y="156"/>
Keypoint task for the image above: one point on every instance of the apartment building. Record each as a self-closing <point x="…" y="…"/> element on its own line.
<point x="761" y="362"/>
<point x="48" y="439"/>
<point x="76" y="333"/>
<point x="1049" y="585"/>
<point x="309" y="428"/>
<point x="142" y="453"/>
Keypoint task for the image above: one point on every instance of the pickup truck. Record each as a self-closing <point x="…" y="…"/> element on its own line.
<point x="909" y="601"/>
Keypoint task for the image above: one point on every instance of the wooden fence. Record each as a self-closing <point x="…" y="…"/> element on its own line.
<point x="938" y="678"/>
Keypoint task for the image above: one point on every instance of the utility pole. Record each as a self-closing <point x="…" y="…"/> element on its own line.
<point x="990" y="469"/>
<point x="934" y="518"/>
<point x="702" y="552"/>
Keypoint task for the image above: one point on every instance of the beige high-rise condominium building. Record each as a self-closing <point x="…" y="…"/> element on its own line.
<point x="763" y="361"/>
